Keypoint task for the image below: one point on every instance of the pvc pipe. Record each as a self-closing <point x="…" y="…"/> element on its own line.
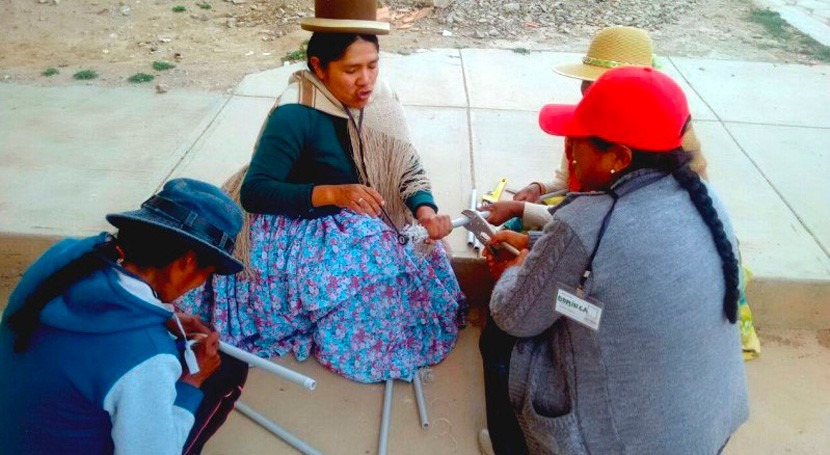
<point x="268" y="366"/>
<point x="419" y="398"/>
<point x="463" y="220"/>
<point x="384" y="421"/>
<point x="279" y="431"/>
<point x="510" y="248"/>
<point x="471" y="239"/>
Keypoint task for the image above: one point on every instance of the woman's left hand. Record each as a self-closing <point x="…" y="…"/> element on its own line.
<point x="499" y="259"/>
<point x="438" y="226"/>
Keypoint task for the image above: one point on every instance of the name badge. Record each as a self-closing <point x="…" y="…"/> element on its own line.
<point x="584" y="310"/>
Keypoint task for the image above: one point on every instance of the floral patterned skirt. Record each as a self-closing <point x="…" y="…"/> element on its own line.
<point x="341" y="288"/>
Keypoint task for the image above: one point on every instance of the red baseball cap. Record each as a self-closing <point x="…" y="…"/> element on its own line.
<point x="638" y="107"/>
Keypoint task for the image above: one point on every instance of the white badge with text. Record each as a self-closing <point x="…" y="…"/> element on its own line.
<point x="583" y="310"/>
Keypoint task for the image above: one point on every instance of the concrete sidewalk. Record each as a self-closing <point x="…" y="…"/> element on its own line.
<point x="69" y="155"/>
<point x="72" y="154"/>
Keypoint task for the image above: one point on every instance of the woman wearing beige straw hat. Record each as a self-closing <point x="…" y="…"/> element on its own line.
<point x="333" y="184"/>
<point x="611" y="47"/>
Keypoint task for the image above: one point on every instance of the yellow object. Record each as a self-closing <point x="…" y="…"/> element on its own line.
<point x="555" y="200"/>
<point x="493" y="196"/>
<point x="749" y="339"/>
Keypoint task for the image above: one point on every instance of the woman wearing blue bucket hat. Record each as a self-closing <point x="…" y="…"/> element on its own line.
<point x="89" y="365"/>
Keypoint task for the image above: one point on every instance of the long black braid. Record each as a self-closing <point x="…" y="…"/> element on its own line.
<point x="676" y="162"/>
<point x="689" y="180"/>
<point x="142" y="245"/>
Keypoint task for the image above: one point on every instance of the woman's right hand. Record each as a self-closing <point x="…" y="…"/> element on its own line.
<point x="207" y="355"/>
<point x="358" y="198"/>
<point x="530" y="193"/>
<point x="502" y="211"/>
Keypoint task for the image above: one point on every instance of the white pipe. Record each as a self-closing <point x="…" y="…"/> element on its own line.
<point x="268" y="366"/>
<point x="279" y="431"/>
<point x="384" y="421"/>
<point x="463" y="220"/>
<point x="471" y="239"/>
<point x="510" y="248"/>
<point x="419" y="398"/>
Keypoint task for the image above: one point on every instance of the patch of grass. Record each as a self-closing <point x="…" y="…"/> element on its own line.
<point x="179" y="9"/>
<point x="85" y="75"/>
<point x="139" y="78"/>
<point x="823" y="54"/>
<point x="51" y="71"/>
<point x="780" y="29"/>
<point x="299" y="54"/>
<point x="161" y="65"/>
<point x="204" y="5"/>
<point x="815" y="49"/>
<point x="770" y="20"/>
<point x="521" y="50"/>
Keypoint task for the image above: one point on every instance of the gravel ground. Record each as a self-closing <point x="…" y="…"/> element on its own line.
<point x="215" y="43"/>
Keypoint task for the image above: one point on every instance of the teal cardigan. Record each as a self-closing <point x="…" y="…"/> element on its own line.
<point x="301" y="147"/>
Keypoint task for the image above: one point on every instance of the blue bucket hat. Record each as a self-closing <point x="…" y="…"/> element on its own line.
<point x="199" y="211"/>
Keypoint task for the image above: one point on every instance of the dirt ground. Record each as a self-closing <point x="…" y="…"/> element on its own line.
<point x="215" y="43"/>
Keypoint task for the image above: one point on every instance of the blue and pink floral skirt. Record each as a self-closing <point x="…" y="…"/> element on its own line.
<point x="341" y="288"/>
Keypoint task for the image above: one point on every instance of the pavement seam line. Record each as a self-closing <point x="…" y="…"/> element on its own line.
<point x="469" y="121"/>
<point x="754" y="163"/>
<point x="196" y="141"/>
<point x="780" y="195"/>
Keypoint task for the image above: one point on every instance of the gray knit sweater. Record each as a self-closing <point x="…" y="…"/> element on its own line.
<point x="664" y="373"/>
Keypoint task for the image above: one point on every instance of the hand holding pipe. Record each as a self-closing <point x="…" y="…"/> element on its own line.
<point x="476" y="223"/>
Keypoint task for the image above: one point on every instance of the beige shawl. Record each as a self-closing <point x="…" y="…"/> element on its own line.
<point x="388" y="163"/>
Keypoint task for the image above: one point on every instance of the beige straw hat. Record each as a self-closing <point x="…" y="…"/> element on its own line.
<point x="610" y="48"/>
<point x="345" y="16"/>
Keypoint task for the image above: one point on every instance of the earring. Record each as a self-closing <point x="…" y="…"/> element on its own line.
<point x="613" y="171"/>
<point x="573" y="162"/>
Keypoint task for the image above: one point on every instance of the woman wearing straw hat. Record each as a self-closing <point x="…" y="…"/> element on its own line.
<point x="88" y="363"/>
<point x="333" y="183"/>
<point x="612" y="47"/>
<point x="613" y="331"/>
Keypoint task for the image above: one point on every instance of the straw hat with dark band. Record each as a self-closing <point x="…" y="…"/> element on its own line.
<point x="611" y="48"/>
<point x="345" y="16"/>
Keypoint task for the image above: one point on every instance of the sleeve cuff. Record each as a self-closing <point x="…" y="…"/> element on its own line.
<point x="533" y="237"/>
<point x="535" y="216"/>
<point x="421" y="198"/>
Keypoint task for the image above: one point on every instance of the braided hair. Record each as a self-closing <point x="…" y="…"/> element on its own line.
<point x="676" y="162"/>
<point x="142" y="245"/>
<point x="690" y="181"/>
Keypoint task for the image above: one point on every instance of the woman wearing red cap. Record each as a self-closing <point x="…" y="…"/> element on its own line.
<point x="612" y="331"/>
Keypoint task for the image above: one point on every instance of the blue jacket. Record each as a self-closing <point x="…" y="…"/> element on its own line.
<point x="101" y="372"/>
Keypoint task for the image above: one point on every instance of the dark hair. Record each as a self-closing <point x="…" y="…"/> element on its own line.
<point x="142" y="245"/>
<point x="328" y="47"/>
<point x="676" y="162"/>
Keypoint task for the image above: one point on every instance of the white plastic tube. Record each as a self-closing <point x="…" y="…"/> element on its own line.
<point x="384" y="420"/>
<point x="471" y="239"/>
<point x="419" y="398"/>
<point x="281" y="433"/>
<point x="268" y="366"/>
